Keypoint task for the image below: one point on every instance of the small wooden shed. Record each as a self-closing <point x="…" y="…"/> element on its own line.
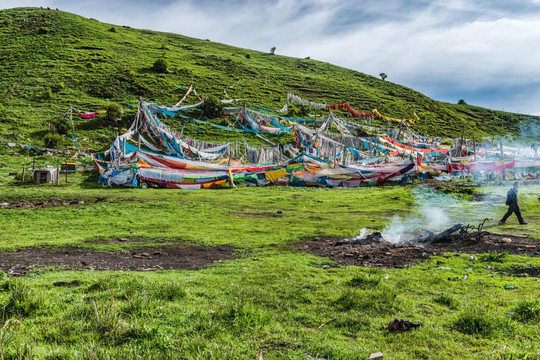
<point x="45" y="175"/>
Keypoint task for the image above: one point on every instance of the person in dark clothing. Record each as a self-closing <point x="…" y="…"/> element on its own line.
<point x="513" y="207"/>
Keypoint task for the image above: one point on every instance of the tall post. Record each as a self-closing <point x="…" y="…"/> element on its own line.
<point x="57" y="172"/>
<point x="461" y="142"/>
<point x="399" y="133"/>
<point x="474" y="146"/>
<point x="23" y="173"/>
<point x="260" y="155"/>
<point x="66" y="170"/>
<point x="502" y="158"/>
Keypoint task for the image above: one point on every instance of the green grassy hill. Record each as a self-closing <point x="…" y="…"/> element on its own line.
<point x="52" y="59"/>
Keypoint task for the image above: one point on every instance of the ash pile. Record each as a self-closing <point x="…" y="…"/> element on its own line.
<point x="459" y="232"/>
<point x="397" y="249"/>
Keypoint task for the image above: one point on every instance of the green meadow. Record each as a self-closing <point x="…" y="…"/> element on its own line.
<point x="272" y="298"/>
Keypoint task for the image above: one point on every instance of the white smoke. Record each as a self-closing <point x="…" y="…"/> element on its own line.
<point x="433" y="215"/>
<point x="363" y="234"/>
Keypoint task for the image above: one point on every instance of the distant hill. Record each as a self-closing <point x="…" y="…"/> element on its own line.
<point x="51" y="59"/>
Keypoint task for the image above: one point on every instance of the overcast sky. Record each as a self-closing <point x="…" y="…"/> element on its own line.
<point x="485" y="52"/>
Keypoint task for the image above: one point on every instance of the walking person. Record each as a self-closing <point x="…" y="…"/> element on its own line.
<point x="513" y="207"/>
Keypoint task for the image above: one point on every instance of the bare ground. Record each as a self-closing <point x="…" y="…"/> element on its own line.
<point x="390" y="255"/>
<point x="187" y="257"/>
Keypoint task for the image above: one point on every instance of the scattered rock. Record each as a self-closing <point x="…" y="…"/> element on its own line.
<point x="375" y="356"/>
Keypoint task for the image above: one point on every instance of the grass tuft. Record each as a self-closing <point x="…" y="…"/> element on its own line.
<point x="447" y="300"/>
<point x="373" y="302"/>
<point x="527" y="311"/>
<point x="364" y="281"/>
<point x="473" y="323"/>
<point x="170" y="291"/>
<point x="22" y="301"/>
<point x="242" y="317"/>
<point x="494" y="256"/>
<point x="482" y="323"/>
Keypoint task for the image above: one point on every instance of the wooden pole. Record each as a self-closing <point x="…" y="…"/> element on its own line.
<point x="57" y="172"/>
<point x="399" y="132"/>
<point x="23" y="174"/>
<point x="66" y="169"/>
<point x="474" y="146"/>
<point x="260" y="155"/>
<point x="34" y="165"/>
<point x="461" y="142"/>
<point x="502" y="158"/>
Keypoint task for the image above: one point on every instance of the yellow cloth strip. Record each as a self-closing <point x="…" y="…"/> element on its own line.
<point x="276" y="174"/>
<point x="379" y="115"/>
<point x="231" y="177"/>
<point x="213" y="183"/>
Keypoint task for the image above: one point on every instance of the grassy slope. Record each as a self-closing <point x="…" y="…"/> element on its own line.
<point x="86" y="63"/>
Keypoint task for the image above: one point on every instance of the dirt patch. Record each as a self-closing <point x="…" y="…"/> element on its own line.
<point x="390" y="255"/>
<point x="186" y="257"/>
<point x="257" y="215"/>
<point x="41" y="203"/>
<point x="492" y="198"/>
<point x="439" y="184"/>
<point x="525" y="272"/>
